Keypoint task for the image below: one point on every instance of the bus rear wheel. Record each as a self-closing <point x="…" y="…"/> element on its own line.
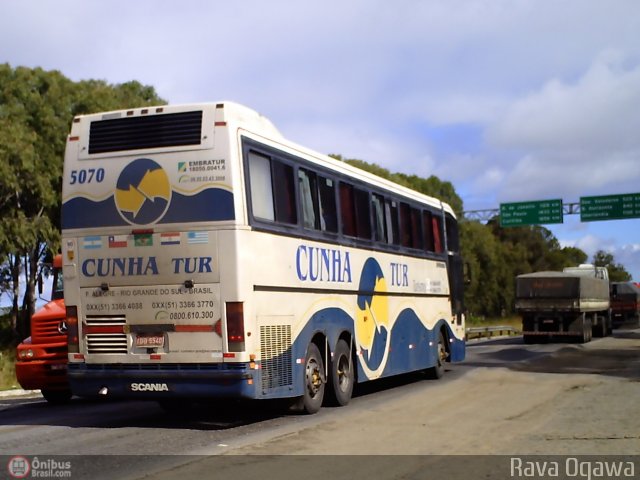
<point x="342" y="375"/>
<point x="437" y="371"/>
<point x="314" y="380"/>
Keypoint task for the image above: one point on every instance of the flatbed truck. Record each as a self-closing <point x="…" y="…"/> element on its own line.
<point x="572" y="304"/>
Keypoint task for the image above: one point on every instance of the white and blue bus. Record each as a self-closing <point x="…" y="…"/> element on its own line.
<point x="206" y="256"/>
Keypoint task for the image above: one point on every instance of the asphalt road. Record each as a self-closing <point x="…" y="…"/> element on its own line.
<point x="507" y="398"/>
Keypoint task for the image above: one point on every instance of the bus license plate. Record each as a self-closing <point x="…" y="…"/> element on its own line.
<point x="150" y="341"/>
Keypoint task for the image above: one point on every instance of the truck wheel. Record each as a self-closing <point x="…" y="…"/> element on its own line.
<point x="342" y="375"/>
<point x="609" y="323"/>
<point x="529" y="339"/>
<point x="56" y="397"/>
<point x="597" y="328"/>
<point x="586" y="332"/>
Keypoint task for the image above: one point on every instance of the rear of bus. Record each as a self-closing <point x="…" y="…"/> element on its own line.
<point x="149" y="218"/>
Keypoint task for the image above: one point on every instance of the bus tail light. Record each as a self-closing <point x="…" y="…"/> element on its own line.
<point x="235" y="326"/>
<point x="73" y="342"/>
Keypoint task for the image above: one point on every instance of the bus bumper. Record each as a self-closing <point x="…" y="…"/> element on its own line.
<point x="138" y="382"/>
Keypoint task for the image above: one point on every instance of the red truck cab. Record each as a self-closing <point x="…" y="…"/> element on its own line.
<point x="42" y="358"/>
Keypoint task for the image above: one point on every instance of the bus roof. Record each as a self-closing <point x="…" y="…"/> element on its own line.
<point x="253" y="124"/>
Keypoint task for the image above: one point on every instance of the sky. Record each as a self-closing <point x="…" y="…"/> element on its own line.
<point x="509" y="100"/>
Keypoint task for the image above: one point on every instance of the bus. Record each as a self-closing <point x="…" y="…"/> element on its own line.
<point x="206" y="256"/>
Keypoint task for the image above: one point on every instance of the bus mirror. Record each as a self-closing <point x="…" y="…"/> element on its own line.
<point x="40" y="284"/>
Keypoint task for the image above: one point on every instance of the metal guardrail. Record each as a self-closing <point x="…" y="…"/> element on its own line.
<point x="488" y="332"/>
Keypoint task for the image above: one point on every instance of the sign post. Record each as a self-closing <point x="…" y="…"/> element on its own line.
<point x="531" y="213"/>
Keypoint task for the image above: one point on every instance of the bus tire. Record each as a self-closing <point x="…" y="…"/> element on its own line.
<point x="342" y="375"/>
<point x="437" y="371"/>
<point x="56" y="397"/>
<point x="314" y="380"/>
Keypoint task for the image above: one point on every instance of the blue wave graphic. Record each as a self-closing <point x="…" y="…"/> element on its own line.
<point x="407" y="330"/>
<point x="210" y="205"/>
<point x="81" y="212"/>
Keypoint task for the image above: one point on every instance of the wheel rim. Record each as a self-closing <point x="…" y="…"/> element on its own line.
<point x="343" y="373"/>
<point x="313" y="376"/>
<point x="442" y="353"/>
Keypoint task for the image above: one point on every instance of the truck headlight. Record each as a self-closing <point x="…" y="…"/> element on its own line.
<point x="26" y="354"/>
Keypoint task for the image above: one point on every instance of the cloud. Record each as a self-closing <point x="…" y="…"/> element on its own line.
<point x="626" y="254"/>
<point x="598" y="113"/>
<point x="510" y="100"/>
<point x="573" y="138"/>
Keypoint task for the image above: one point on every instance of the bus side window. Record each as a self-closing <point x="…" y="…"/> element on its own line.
<point x="416" y="229"/>
<point x="285" y="196"/>
<point x="347" y="210"/>
<point x="261" y="187"/>
<point x="405" y="220"/>
<point x="453" y="242"/>
<point x="393" y="226"/>
<point x="309" y="199"/>
<point x="328" y="211"/>
<point x="437" y="228"/>
<point x="272" y="201"/>
<point x="427" y="221"/>
<point x="379" y="224"/>
<point x="318" y="201"/>
<point x="363" y="217"/>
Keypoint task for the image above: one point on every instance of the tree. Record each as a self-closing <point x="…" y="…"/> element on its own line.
<point x="491" y="287"/>
<point x="617" y="272"/>
<point x="36" y="110"/>
<point x="431" y="186"/>
<point x="567" y="257"/>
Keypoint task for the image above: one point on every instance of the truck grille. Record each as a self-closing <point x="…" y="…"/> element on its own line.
<point x="46" y="331"/>
<point x="149" y="131"/>
<point x="106" y="343"/>
<point x="275" y="350"/>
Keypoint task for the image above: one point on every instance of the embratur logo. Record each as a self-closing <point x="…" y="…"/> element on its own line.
<point x="182" y="167"/>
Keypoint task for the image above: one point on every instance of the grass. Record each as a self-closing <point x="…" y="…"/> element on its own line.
<point x="7" y="355"/>
<point x="511" y="321"/>
<point x="7" y="369"/>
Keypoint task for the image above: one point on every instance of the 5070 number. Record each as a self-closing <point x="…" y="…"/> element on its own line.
<point x="87" y="176"/>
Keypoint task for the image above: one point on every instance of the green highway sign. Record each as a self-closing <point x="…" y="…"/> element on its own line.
<point x="610" y="207"/>
<point x="531" y="213"/>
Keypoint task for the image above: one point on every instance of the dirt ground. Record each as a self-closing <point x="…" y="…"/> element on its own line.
<point x="579" y="401"/>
